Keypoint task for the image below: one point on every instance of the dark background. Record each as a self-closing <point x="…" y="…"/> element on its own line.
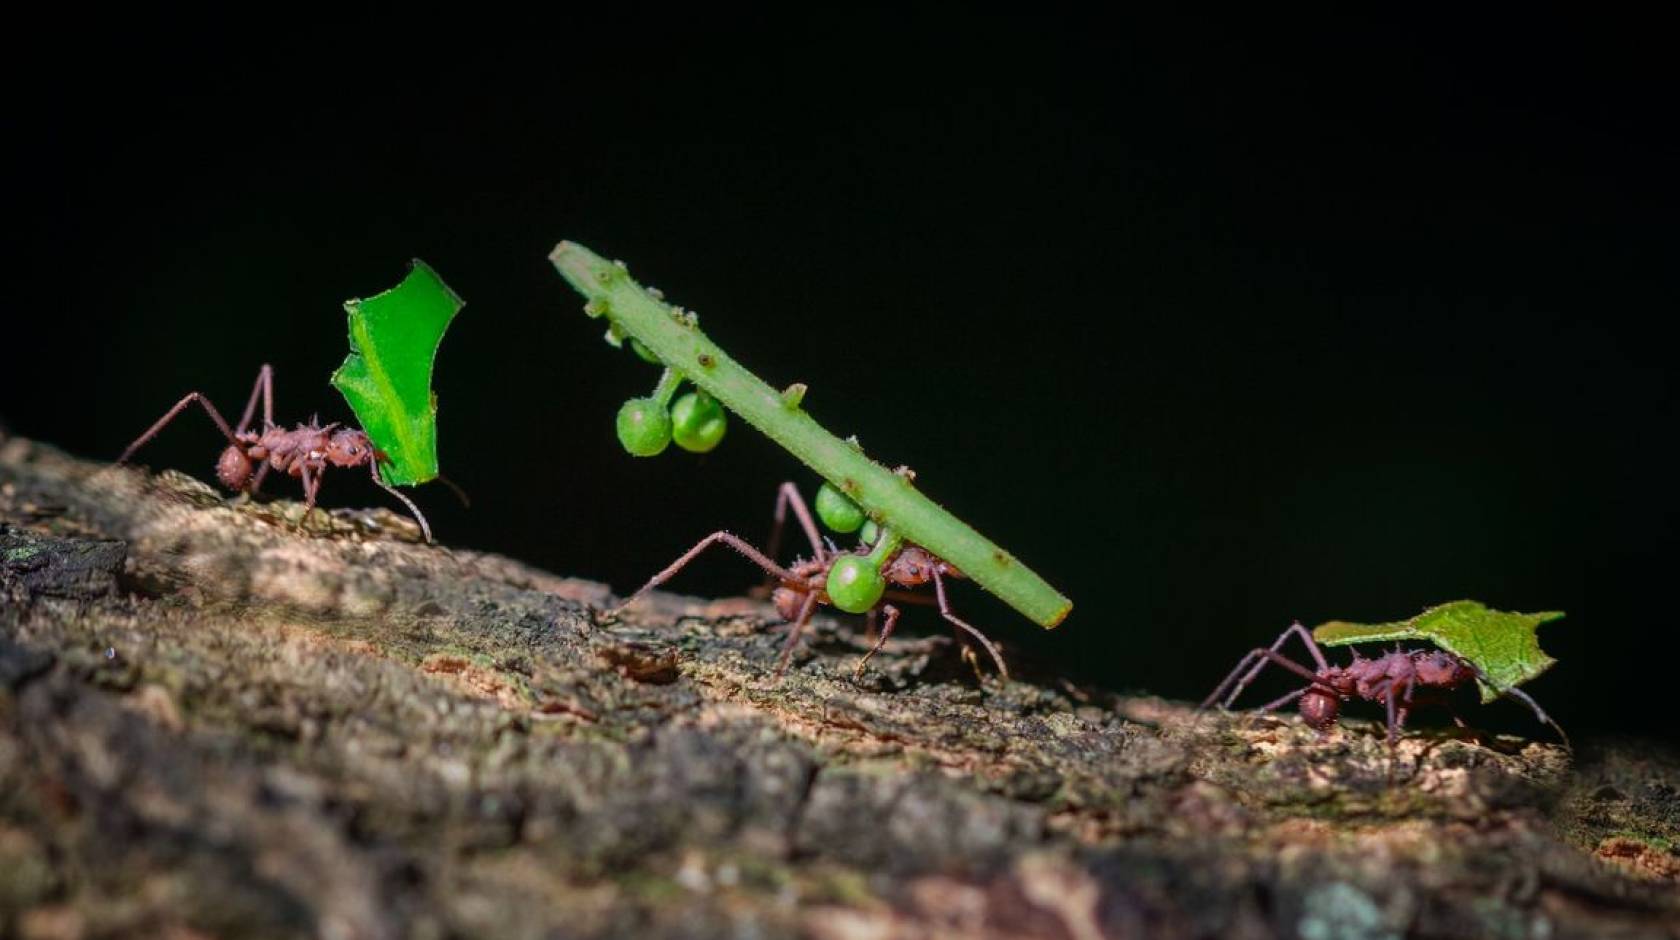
<point x="1216" y="324"/>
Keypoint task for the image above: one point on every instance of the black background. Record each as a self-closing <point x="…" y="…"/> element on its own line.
<point x="1214" y="323"/>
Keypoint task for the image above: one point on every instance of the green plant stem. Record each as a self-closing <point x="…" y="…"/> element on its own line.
<point x="885" y="546"/>
<point x="669" y="381"/>
<point x="890" y="497"/>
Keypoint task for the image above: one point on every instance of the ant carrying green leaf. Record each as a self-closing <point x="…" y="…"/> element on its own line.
<point x="1494" y="649"/>
<point x="386" y="378"/>
<point x="305" y="451"/>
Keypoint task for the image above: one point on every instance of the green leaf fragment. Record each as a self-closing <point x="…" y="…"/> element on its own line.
<point x="387" y="378"/>
<point x="1504" y="647"/>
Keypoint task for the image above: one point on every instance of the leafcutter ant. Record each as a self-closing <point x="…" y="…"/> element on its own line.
<point x="860" y="581"/>
<point x="305" y="451"/>
<point x="1400" y="679"/>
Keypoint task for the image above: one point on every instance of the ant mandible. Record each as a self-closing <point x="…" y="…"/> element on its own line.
<point x="804" y="584"/>
<point x="304" y="452"/>
<point x="1401" y="680"/>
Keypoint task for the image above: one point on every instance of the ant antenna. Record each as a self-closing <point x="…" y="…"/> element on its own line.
<point x="455" y="488"/>
<point x="1539" y="713"/>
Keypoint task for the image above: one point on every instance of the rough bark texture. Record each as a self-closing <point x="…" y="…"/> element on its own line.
<point x="218" y="718"/>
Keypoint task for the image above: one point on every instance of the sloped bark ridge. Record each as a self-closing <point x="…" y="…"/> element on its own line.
<point x="217" y="717"/>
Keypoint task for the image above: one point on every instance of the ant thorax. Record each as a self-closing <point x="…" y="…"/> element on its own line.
<point x="1367" y="678"/>
<point x="308" y="446"/>
<point x="1428" y="670"/>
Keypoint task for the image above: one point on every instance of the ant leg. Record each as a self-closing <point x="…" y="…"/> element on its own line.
<point x="945" y="611"/>
<point x="1281" y="701"/>
<point x="311" y="486"/>
<point x="413" y="510"/>
<point x="308" y="480"/>
<point x="264" y="389"/>
<point x="1406" y="702"/>
<point x="170" y="415"/>
<point x="753" y="555"/>
<point x="1224" y="684"/>
<point x="794" y="629"/>
<point x="1393" y="726"/>
<point x="1276" y="704"/>
<point x="1393" y="730"/>
<point x="1267" y="656"/>
<point x="886" y="631"/>
<point x="1295" y="629"/>
<point x="256" y="481"/>
<point x="1539" y="712"/>
<point x="788" y="495"/>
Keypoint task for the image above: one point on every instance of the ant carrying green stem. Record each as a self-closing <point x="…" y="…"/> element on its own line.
<point x="856" y="582"/>
<point x="925" y="536"/>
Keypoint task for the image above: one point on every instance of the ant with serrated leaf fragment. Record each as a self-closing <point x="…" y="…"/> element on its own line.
<point x="305" y="451"/>
<point x="1400" y="679"/>
<point x="857" y="582"/>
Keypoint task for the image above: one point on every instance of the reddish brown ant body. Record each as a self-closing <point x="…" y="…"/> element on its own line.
<point x="1400" y="679"/>
<point x="305" y="451"/>
<point x="802" y="586"/>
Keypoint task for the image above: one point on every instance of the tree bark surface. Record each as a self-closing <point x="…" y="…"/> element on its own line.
<point x="220" y="718"/>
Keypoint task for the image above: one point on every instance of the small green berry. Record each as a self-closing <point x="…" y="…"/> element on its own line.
<point x="837" y="511"/>
<point x="697" y="422"/>
<point x="643" y="427"/>
<point x="643" y="352"/>
<point x="854" y="585"/>
<point x="870" y="532"/>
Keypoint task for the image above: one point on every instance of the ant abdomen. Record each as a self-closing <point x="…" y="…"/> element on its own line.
<point x="1319" y="708"/>
<point x="233" y="468"/>
<point x="788" y="602"/>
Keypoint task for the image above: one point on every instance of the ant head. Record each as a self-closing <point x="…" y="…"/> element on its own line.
<point x="788" y="602"/>
<point x="349" y="449"/>
<point x="912" y="566"/>
<point x="1319" y="708"/>
<point x="1443" y="669"/>
<point x="233" y="468"/>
